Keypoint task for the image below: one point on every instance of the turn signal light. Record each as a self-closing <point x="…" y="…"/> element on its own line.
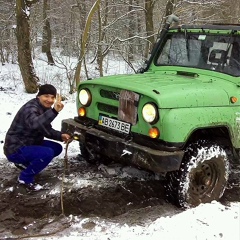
<point x="233" y="99"/>
<point x="82" y="112"/>
<point x="154" y="132"/>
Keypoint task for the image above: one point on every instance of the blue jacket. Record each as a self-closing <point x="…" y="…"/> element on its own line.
<point x="29" y="127"/>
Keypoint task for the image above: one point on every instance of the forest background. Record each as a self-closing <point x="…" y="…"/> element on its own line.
<point x="76" y="33"/>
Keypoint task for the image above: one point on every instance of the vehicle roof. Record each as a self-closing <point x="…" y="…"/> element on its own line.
<point x="218" y="26"/>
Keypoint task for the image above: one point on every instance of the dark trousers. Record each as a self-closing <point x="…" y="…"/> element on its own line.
<point x="35" y="158"/>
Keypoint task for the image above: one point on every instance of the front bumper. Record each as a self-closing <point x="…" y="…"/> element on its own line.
<point x="124" y="151"/>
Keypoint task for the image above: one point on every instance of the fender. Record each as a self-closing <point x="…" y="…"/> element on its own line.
<point x="179" y="124"/>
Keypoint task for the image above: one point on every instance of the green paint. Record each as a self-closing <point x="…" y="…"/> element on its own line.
<point x="190" y="92"/>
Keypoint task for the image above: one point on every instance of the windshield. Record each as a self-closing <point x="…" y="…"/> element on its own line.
<point x="219" y="53"/>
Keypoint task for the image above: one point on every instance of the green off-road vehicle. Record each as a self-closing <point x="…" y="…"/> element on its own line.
<point x="179" y="116"/>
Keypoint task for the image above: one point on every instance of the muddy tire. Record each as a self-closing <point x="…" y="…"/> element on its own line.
<point x="202" y="177"/>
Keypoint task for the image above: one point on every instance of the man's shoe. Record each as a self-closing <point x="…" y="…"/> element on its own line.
<point x="30" y="186"/>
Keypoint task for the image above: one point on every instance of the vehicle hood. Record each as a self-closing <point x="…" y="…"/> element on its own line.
<point x="171" y="90"/>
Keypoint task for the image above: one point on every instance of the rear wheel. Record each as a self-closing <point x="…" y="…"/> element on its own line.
<point x="202" y="178"/>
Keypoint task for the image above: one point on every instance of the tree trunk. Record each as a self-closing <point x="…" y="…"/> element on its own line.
<point x="169" y="8"/>
<point x="99" y="47"/>
<point x="29" y="76"/>
<point x="1" y="54"/>
<point x="47" y="34"/>
<point x="149" y="4"/>
<point x="102" y="23"/>
<point x="131" y="31"/>
<point x="84" y="41"/>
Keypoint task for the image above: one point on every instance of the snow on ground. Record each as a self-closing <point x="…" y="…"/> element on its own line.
<point x="206" y="222"/>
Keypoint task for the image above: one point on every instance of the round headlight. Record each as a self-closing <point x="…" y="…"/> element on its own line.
<point x="149" y="113"/>
<point x="85" y="97"/>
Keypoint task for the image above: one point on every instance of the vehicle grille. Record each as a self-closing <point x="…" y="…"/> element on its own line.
<point x="127" y="107"/>
<point x="109" y="94"/>
<point x="107" y="108"/>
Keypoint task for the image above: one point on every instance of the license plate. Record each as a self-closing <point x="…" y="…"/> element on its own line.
<point x="114" y="124"/>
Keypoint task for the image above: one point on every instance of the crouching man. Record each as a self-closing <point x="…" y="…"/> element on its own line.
<point x="25" y="145"/>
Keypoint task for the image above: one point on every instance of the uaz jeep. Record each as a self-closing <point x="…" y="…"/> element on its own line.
<point x="180" y="116"/>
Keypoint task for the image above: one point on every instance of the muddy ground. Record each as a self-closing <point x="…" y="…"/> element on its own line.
<point x="124" y="195"/>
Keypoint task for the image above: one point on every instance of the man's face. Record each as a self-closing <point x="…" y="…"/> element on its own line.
<point x="47" y="100"/>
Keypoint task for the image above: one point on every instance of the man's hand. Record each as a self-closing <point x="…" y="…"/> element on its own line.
<point x="66" y="137"/>
<point x="58" y="106"/>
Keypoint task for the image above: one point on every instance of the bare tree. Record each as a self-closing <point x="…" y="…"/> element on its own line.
<point x="47" y="33"/>
<point x="101" y="51"/>
<point x="131" y="28"/>
<point x="149" y="5"/>
<point x="95" y="31"/>
<point x="29" y="76"/>
<point x="201" y="12"/>
<point x="84" y="41"/>
<point x="169" y="8"/>
<point x="7" y="30"/>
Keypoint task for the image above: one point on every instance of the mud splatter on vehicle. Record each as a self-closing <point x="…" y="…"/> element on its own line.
<point x="185" y="97"/>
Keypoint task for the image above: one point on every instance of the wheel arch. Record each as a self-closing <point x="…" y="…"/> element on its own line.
<point x="219" y="134"/>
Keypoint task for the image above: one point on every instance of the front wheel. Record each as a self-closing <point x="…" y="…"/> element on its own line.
<point x="202" y="177"/>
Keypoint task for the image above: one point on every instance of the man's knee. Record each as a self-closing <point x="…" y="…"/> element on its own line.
<point x="56" y="147"/>
<point x="50" y="154"/>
